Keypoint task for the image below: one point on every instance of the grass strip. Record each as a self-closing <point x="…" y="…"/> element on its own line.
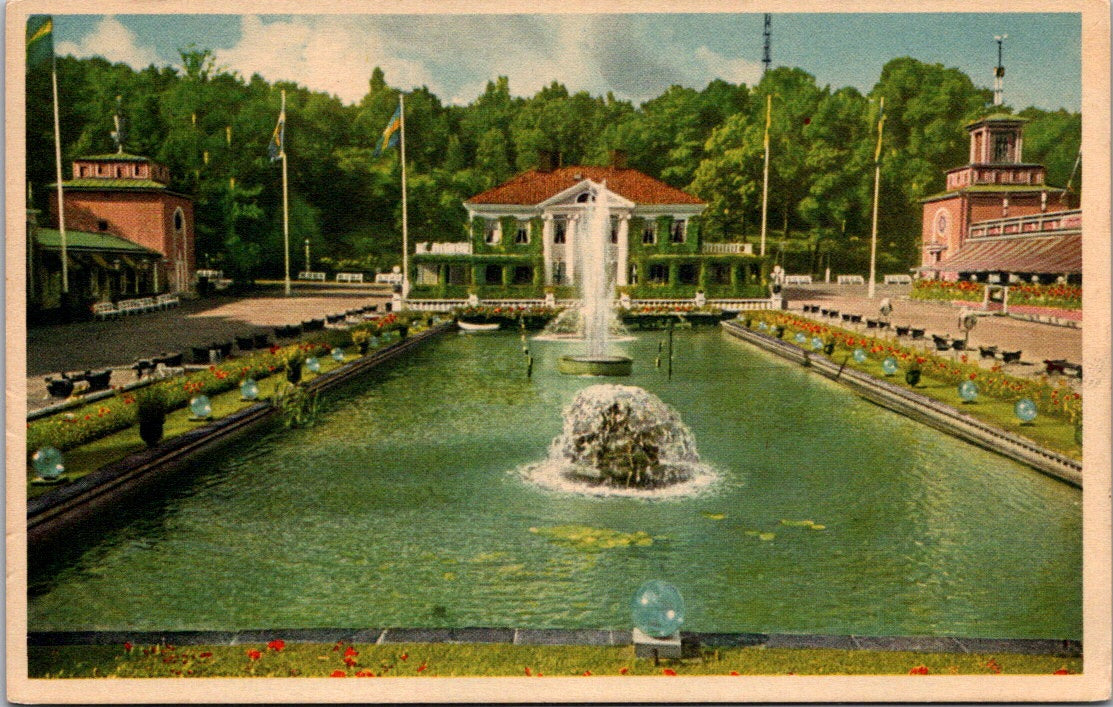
<point x="279" y="659"/>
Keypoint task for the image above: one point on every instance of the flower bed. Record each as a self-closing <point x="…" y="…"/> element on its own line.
<point x="948" y="291"/>
<point x="1053" y="296"/>
<point x="91" y="422"/>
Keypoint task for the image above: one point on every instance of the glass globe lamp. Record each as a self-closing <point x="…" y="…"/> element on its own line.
<point x="657" y="609"/>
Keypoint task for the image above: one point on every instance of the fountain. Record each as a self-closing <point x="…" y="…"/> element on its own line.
<point x="597" y="309"/>
<point x="621" y="438"/>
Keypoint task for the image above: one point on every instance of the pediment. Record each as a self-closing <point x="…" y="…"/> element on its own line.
<point x="583" y="191"/>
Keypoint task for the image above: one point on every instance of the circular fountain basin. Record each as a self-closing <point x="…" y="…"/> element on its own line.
<point x="595" y="365"/>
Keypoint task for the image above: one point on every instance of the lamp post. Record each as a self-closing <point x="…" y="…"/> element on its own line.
<point x="307" y="255"/>
<point x="876" y="198"/>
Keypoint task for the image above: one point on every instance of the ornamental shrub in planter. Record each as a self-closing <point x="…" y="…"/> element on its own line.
<point x="151" y="408"/>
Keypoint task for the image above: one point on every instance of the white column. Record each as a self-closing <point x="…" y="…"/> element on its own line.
<point x="623" y="268"/>
<point x="547" y="246"/>
<point x="570" y="248"/>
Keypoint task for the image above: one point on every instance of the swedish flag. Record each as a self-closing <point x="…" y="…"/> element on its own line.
<point x="277" y="146"/>
<point x="40" y="39"/>
<point x="390" y="132"/>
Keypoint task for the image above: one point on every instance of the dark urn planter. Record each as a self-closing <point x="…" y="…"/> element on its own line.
<point x="912" y="377"/>
<point x="829" y="348"/>
<point x="293" y="373"/>
<point x="364" y="347"/>
<point x="403" y="332"/>
<point x="150" y="431"/>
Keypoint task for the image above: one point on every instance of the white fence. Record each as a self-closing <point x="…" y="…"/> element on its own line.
<point x="447" y="248"/>
<point x="727" y="248"/>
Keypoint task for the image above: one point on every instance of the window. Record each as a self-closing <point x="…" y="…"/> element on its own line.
<point x="633" y="280"/>
<point x="102" y="225"/>
<point x="1002" y="148"/>
<point x="720" y="274"/>
<point x="523" y="275"/>
<point x="522" y="235"/>
<point x="687" y="273"/>
<point x="658" y="274"/>
<point x="677" y="230"/>
<point x="492" y="275"/>
<point x="614" y="230"/>
<point x="649" y="233"/>
<point x="457" y="275"/>
<point x="492" y="231"/>
<point x="560" y="230"/>
<point x="583" y="198"/>
<point x="559" y="272"/>
<point x="179" y="220"/>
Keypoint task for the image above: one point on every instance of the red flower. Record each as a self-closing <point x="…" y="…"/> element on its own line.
<point x="973" y="376"/>
<point x="128" y="646"/>
<point x="919" y="670"/>
<point x="338" y="674"/>
<point x="421" y="668"/>
<point x="349" y="652"/>
<point x="254" y="654"/>
<point x="587" y="673"/>
<point x="529" y="673"/>
<point x="404" y="656"/>
<point x="1062" y="671"/>
<point x="276" y="645"/>
<point x="364" y="674"/>
<point x="623" y="671"/>
<point x="206" y="654"/>
<point x="350" y="661"/>
<point x="734" y="672"/>
<point x="669" y="671"/>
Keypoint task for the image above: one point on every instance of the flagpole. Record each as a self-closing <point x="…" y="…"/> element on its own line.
<point x="765" y="179"/>
<point x="876" y="194"/>
<point x="58" y="175"/>
<point x="405" y="223"/>
<point x="285" y="197"/>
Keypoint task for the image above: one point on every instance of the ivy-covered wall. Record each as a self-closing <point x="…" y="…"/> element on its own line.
<point x="506" y="246"/>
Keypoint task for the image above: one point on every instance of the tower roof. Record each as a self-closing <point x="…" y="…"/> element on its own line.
<point x="1000" y="118"/>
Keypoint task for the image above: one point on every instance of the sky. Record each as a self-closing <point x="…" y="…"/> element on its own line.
<point x="635" y="56"/>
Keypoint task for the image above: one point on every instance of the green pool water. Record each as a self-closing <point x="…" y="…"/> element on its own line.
<point x="404" y="506"/>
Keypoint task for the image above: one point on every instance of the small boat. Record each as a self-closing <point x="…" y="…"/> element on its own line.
<point x="475" y="326"/>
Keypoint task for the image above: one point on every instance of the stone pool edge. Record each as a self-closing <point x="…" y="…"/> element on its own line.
<point x="51" y="513"/>
<point x="1068" y="648"/>
<point x="922" y="409"/>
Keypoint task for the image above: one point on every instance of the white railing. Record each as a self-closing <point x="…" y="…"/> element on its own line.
<point x="727" y="248"/>
<point x="850" y="280"/>
<point x="349" y="277"/>
<point x="445" y="248"/>
<point x="798" y="279"/>
<point x="1032" y="224"/>
<point x="311" y="275"/>
<point x="435" y="305"/>
<point x="738" y="305"/>
<point x="898" y="279"/>
<point x="445" y="305"/>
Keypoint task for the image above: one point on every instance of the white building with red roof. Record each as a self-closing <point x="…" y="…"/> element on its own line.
<point x="523" y="240"/>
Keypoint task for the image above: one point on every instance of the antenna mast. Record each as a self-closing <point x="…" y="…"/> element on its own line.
<point x="999" y="73"/>
<point x="766" y="60"/>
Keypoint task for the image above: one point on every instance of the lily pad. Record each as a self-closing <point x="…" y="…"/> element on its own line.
<point x="766" y="536"/>
<point x="713" y="516"/>
<point x="588" y="538"/>
<point x="796" y="523"/>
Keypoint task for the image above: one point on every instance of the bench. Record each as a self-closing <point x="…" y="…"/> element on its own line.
<point x="311" y="275"/>
<point x="104" y="310"/>
<point x="128" y="306"/>
<point x="349" y="277"/>
<point x="898" y="279"/>
<point x="389" y="278"/>
<point x="850" y="280"/>
<point x="166" y="301"/>
<point x="798" y="279"/>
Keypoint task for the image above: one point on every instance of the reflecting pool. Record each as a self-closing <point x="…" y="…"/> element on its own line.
<point x="407" y="505"/>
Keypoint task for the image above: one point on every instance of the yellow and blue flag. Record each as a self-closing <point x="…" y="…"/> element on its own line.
<point x="277" y="146"/>
<point x="40" y="39"/>
<point x="390" y="132"/>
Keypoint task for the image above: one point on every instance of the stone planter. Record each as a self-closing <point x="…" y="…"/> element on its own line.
<point x="912" y="378"/>
<point x="293" y="374"/>
<point x="150" y="430"/>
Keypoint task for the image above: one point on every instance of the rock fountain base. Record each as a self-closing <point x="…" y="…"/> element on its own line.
<point x="587" y="365"/>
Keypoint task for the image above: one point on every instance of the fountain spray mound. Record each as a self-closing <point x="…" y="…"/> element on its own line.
<point x="622" y="440"/>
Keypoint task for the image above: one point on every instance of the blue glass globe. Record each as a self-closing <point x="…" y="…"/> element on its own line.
<point x="889" y="366"/>
<point x="338" y="355"/>
<point x="657" y="608"/>
<point x="817" y="343"/>
<point x="47" y="462"/>
<point x="1025" y="410"/>
<point x="762" y="325"/>
<point x="373" y="341"/>
<point x="249" y="389"/>
<point x="312" y="365"/>
<point x="859" y="355"/>
<point x="201" y="407"/>
<point x="800" y="338"/>
<point x="968" y="391"/>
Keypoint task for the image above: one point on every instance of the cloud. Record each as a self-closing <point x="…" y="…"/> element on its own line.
<point x="334" y="54"/>
<point x="113" y="41"/>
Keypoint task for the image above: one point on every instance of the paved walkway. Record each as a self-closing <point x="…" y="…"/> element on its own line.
<point x="117" y="344"/>
<point x="1036" y="341"/>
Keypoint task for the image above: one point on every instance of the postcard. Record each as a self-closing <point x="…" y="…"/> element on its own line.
<point x="505" y="352"/>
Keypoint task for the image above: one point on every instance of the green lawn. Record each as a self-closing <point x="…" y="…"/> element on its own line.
<point x="484" y="660"/>
<point x="89" y="457"/>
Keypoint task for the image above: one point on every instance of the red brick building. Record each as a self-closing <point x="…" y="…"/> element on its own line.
<point x="127" y="196"/>
<point x="998" y="196"/>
